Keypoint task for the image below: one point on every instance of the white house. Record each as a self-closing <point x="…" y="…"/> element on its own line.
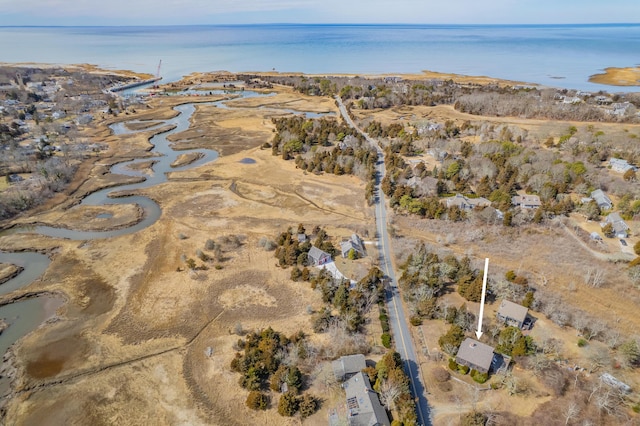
<point x="621" y="166"/>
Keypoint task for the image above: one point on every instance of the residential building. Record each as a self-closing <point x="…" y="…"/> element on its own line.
<point x="465" y="203"/>
<point x="353" y="243"/>
<point x="620" y="165"/>
<point x="348" y="365"/>
<point x="620" y="228"/>
<point x="475" y="355"/>
<point x="601" y="198"/>
<point x="363" y="405"/>
<point x="317" y="257"/>
<point x="513" y="314"/>
<point x="526" y="201"/>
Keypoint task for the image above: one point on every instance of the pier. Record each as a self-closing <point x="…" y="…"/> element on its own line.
<point x="122" y="87"/>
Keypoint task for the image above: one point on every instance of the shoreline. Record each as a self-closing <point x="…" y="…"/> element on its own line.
<point x="613" y="77"/>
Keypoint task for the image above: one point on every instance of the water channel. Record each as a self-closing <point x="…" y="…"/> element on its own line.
<point x="25" y="316"/>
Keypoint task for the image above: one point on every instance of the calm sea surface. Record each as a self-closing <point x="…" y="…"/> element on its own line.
<point x="552" y="55"/>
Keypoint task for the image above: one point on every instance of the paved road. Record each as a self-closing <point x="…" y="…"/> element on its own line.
<point x="397" y="319"/>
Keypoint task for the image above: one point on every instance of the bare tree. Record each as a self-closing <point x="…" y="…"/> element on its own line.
<point x="595" y="277"/>
<point x="389" y="392"/>
<point x="570" y="412"/>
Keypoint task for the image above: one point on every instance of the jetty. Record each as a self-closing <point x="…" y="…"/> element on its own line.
<point x="121" y="87"/>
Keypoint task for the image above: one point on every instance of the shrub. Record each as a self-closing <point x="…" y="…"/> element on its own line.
<point x="386" y="340"/>
<point x="415" y="320"/>
<point x="473" y="419"/>
<point x="520" y="280"/>
<point x="440" y="374"/>
<point x="308" y="405"/>
<point x="582" y="343"/>
<point x="201" y="255"/>
<point x="288" y="404"/>
<point x="257" y="401"/>
<point x="463" y="369"/>
<point x="479" y="377"/>
<point x="191" y="264"/>
<point x="453" y="365"/>
<point x="296" y="274"/>
<point x="384" y="322"/>
<point x="210" y="244"/>
<point x="182" y="237"/>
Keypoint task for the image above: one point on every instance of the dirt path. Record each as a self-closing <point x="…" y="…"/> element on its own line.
<point x="611" y="257"/>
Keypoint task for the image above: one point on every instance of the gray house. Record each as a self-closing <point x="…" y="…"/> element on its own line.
<point x="363" y="405"/>
<point x="353" y="243"/>
<point x="318" y="257"/>
<point x="475" y="355"/>
<point x="526" y="201"/>
<point x="346" y="366"/>
<point x="620" y="228"/>
<point x="465" y="203"/>
<point x="512" y="313"/>
<point x="601" y="198"/>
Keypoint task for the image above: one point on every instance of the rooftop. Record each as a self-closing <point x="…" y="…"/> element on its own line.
<point x="512" y="310"/>
<point x="348" y="364"/>
<point x="363" y="405"/>
<point x="476" y="353"/>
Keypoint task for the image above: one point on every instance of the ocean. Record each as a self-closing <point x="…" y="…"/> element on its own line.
<point x="550" y="55"/>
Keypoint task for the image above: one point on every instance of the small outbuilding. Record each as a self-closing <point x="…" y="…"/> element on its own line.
<point x="475" y="355"/>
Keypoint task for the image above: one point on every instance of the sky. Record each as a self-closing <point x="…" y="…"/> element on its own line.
<point x="196" y="12"/>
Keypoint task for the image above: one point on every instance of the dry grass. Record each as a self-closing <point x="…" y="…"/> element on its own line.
<point x="629" y="76"/>
<point x="139" y="324"/>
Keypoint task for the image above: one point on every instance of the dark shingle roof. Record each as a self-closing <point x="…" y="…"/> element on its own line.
<point x="475" y="353"/>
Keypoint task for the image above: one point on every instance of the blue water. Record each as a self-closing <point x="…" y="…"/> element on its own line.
<point x="551" y="55"/>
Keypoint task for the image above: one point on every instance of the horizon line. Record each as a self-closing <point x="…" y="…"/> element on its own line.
<point x="329" y="24"/>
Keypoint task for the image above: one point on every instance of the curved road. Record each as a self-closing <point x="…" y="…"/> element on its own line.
<point x="397" y="319"/>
